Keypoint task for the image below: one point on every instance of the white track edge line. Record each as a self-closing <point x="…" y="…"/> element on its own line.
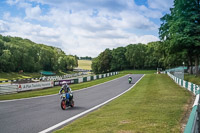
<point x="87" y="111"/>
<point x="57" y="94"/>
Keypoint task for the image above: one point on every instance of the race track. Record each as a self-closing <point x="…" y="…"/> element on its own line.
<point x="37" y="114"/>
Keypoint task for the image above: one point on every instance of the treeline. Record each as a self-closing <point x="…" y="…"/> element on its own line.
<point x="85" y="58"/>
<point x="134" y="56"/>
<point x="18" y="54"/>
<point x="137" y="56"/>
<point x="179" y="45"/>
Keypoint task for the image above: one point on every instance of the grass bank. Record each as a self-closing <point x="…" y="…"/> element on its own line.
<point x="192" y="78"/>
<point x="24" y="75"/>
<point x="155" y="104"/>
<point x="15" y="75"/>
<point x="85" y="64"/>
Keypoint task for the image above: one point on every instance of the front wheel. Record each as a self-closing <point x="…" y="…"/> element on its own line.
<point x="63" y="105"/>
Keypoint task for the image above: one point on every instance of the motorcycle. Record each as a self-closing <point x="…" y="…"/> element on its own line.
<point x="129" y="80"/>
<point x="66" y="102"/>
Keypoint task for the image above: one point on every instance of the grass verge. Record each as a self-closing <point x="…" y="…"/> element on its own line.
<point x="15" y="75"/>
<point x="192" y="78"/>
<point x="155" y="104"/>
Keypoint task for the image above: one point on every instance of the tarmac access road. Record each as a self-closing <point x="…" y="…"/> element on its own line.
<point x="37" y="114"/>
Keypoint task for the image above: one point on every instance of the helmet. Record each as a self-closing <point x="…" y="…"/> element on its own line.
<point x="64" y="82"/>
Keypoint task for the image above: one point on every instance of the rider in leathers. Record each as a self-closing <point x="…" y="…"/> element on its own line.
<point x="130" y="78"/>
<point x="67" y="90"/>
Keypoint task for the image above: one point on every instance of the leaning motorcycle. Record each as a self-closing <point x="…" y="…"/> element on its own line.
<point x="66" y="101"/>
<point x="129" y="80"/>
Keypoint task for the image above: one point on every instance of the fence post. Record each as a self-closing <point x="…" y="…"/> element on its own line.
<point x="84" y="79"/>
<point x="186" y="84"/>
<point x="181" y="82"/>
<point x="192" y="89"/>
<point x="92" y="77"/>
<point x="76" y="81"/>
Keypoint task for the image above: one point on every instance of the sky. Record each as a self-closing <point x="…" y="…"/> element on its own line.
<point x="83" y="27"/>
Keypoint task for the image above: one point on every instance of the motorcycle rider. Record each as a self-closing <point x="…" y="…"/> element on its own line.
<point x="67" y="90"/>
<point x="130" y="78"/>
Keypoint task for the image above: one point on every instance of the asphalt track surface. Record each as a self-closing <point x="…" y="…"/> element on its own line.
<point x="37" y="114"/>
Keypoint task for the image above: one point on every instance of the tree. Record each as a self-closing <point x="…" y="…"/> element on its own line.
<point x="22" y="54"/>
<point x="5" y="60"/>
<point x="154" y="55"/>
<point x="105" y="61"/>
<point x="118" y="59"/>
<point x="135" y="55"/>
<point x="102" y="63"/>
<point x="95" y="65"/>
<point x="71" y="62"/>
<point x="181" y="28"/>
<point x="2" y="47"/>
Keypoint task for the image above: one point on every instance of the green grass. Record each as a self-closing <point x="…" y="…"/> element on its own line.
<point x="60" y="73"/>
<point x="14" y="75"/>
<point x="84" y="64"/>
<point x="154" y="105"/>
<point x="192" y="78"/>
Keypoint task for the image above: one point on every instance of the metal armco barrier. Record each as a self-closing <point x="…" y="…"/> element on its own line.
<point x="83" y="79"/>
<point x="25" y="87"/>
<point x="193" y="121"/>
<point x="57" y="83"/>
<point x="8" y="89"/>
<point x="33" y="86"/>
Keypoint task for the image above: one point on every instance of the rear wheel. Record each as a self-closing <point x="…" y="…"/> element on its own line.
<point x="63" y="105"/>
<point x="72" y="103"/>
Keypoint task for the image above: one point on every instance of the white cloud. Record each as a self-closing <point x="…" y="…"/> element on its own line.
<point x="6" y="15"/>
<point x="12" y="2"/>
<point x="137" y="21"/>
<point x="3" y="27"/>
<point x="149" y="13"/>
<point x="162" y="5"/>
<point x="147" y="38"/>
<point x="78" y="29"/>
<point x="33" y="13"/>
